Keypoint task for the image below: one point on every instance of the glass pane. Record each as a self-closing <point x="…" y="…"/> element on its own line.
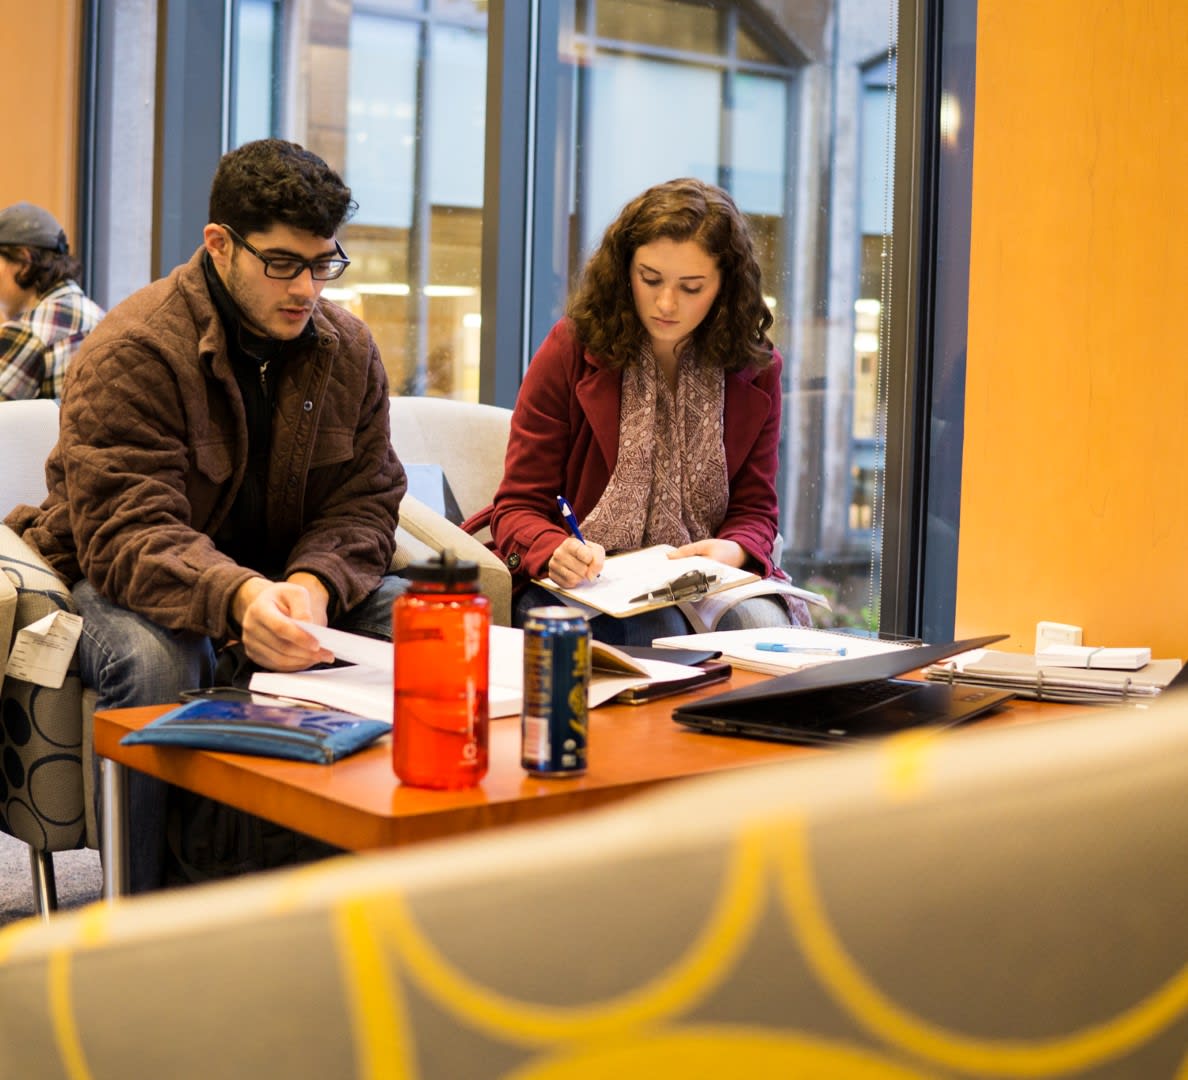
<point x="667" y="24"/>
<point x="758" y="177"/>
<point x="393" y="94"/>
<point x="639" y="153"/>
<point x="791" y="113"/>
<point x="255" y="36"/>
<point x="381" y="119"/>
<point x="750" y="49"/>
<point x="460" y="8"/>
<point x="459" y="78"/>
<point x="791" y="116"/>
<point x="388" y="7"/>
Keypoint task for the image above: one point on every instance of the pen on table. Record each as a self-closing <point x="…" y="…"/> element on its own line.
<point x="570" y="520"/>
<point x="777" y="646"/>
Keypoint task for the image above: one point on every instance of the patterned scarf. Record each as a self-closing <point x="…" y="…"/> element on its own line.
<point x="669" y="485"/>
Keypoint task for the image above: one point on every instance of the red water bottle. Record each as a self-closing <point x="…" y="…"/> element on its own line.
<point x="441" y="637"/>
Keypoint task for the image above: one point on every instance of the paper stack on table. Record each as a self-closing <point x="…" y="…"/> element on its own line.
<point x="778" y="650"/>
<point x="1093" y="656"/>
<point x="1027" y="677"/>
<point x="364" y="686"/>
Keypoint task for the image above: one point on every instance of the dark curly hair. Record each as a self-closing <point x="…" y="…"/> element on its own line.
<point x="271" y="181"/>
<point x="733" y="334"/>
<point x="41" y="269"/>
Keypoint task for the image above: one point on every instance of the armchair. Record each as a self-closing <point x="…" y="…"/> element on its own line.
<point x="1002" y="901"/>
<point x="468" y="441"/>
<point x="46" y="795"/>
<point x="46" y="782"/>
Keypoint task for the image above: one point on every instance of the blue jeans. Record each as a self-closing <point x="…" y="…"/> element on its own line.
<point x="642" y="629"/>
<point x="130" y="660"/>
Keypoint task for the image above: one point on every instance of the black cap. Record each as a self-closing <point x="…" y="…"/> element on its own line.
<point x="26" y="225"/>
<point x="443" y="569"/>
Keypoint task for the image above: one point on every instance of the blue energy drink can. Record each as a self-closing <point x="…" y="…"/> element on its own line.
<point x="553" y="723"/>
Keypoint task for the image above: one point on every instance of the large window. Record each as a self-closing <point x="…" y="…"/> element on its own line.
<point x="489" y="144"/>
<point x="788" y="106"/>
<point x="393" y="95"/>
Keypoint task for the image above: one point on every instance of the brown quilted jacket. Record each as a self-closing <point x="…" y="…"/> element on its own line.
<point x="153" y="448"/>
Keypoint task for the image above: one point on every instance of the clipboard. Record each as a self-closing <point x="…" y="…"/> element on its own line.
<point x="648" y="570"/>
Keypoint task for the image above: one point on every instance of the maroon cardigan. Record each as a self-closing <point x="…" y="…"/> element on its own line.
<point x="565" y="439"/>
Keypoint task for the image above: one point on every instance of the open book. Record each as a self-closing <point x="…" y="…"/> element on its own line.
<point x="626" y="580"/>
<point x="780" y="649"/>
<point x="364" y="685"/>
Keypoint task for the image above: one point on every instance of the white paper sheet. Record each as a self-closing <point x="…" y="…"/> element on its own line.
<point x="42" y="650"/>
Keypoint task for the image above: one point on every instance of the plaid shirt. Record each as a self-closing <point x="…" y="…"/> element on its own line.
<point x="37" y="346"/>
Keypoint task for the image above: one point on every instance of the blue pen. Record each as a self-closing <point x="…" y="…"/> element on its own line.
<point x="570" y="520"/>
<point x="776" y="646"/>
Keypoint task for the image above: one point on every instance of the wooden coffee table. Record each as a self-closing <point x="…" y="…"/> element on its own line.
<point x="357" y="803"/>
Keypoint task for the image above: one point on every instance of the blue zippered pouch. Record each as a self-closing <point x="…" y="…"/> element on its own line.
<point x="251" y="727"/>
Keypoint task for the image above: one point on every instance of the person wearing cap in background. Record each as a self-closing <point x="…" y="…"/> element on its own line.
<point x="46" y="314"/>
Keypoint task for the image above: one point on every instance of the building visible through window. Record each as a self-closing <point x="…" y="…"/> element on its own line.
<point x="788" y="106"/>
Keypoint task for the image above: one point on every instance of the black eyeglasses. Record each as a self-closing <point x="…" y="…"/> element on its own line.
<point x="287" y="267"/>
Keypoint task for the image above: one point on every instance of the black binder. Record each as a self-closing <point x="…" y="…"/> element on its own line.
<point x="846" y="700"/>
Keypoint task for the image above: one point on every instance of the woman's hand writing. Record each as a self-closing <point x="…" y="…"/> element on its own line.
<point x="574" y="562"/>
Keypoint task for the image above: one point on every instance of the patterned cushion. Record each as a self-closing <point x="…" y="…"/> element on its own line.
<point x="42" y="796"/>
<point x="8" y="600"/>
<point x="998" y="901"/>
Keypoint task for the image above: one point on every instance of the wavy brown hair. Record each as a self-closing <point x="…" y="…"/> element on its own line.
<point x="733" y="334"/>
<point x="273" y="181"/>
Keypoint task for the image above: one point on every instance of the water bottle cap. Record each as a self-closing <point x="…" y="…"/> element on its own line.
<point x="443" y="569"/>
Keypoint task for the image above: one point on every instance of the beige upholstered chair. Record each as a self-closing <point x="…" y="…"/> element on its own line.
<point x="992" y="902"/>
<point x="468" y="442"/>
<point x="45" y="794"/>
<point x="46" y="785"/>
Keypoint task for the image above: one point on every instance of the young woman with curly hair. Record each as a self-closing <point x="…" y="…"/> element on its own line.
<point x="654" y="407"/>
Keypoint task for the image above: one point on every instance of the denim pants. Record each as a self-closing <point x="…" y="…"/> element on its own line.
<point x="130" y="661"/>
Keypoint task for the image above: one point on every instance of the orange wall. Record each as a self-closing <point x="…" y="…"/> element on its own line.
<point x="41" y="64"/>
<point x="1075" y="483"/>
<point x="1075" y="487"/>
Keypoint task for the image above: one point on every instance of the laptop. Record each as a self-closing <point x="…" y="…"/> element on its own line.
<point x="847" y="700"/>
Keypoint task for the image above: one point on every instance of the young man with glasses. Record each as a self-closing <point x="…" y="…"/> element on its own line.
<point x="223" y="473"/>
